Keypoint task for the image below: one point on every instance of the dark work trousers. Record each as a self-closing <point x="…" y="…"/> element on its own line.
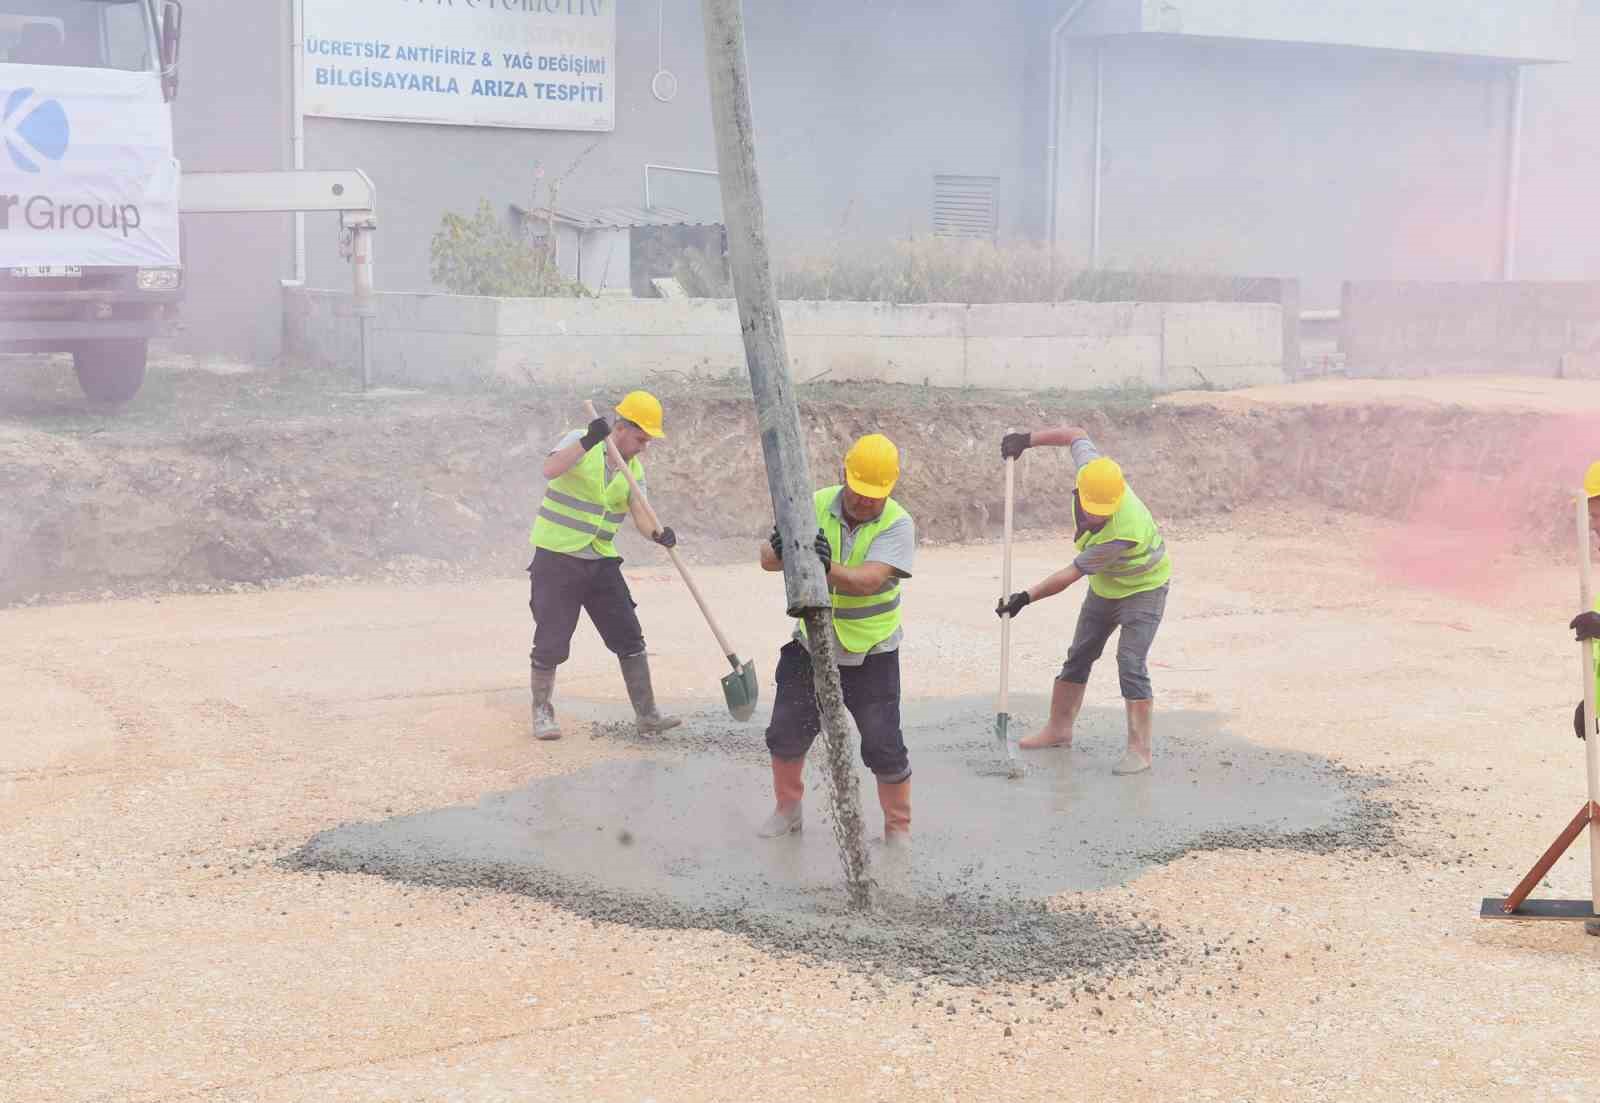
<point x="871" y="693"/>
<point x="563" y="584"/>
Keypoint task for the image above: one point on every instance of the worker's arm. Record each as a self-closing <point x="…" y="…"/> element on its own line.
<point x="860" y="581"/>
<point x="1050" y="587"/>
<point x="565" y="456"/>
<point x="1075" y="437"/>
<point x="1056" y="583"/>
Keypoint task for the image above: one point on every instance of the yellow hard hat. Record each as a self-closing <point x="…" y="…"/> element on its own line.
<point x="1591" y="481"/>
<point x="872" y="466"/>
<point x="1101" y="487"/>
<point x="644" y="410"/>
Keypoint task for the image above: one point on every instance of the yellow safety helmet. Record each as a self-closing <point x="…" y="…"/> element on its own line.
<point x="1591" y="481"/>
<point x="1101" y="487"/>
<point x="872" y="466"/>
<point x="644" y="410"/>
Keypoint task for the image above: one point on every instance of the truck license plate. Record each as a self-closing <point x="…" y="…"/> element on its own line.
<point x="48" y="272"/>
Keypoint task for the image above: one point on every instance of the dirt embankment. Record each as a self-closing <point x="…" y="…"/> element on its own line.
<point x="206" y="489"/>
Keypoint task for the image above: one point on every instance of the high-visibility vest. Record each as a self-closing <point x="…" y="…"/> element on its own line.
<point x="580" y="509"/>
<point x="1143" y="567"/>
<point x="861" y="623"/>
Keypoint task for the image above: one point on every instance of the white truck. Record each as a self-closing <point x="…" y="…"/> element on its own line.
<point x="90" y="260"/>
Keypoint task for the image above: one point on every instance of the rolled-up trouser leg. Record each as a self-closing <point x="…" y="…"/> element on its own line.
<point x="1139" y="616"/>
<point x="795" y="720"/>
<point x="1097" y="619"/>
<point x="557" y="584"/>
<point x="872" y="694"/>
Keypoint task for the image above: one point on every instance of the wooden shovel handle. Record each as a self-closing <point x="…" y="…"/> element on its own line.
<point x="672" y="553"/>
<point x="1005" y="589"/>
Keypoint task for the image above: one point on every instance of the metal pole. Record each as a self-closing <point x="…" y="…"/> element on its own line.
<point x="1513" y="182"/>
<point x="778" y="415"/>
<point x="1591" y="746"/>
<point x="1099" y="145"/>
<point x="361" y="262"/>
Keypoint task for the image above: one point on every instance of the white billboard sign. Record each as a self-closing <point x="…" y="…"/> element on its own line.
<point x="540" y="64"/>
<point x="86" y="169"/>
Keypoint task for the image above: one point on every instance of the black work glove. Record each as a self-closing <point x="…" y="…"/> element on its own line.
<point x="1011" y="606"/>
<point x="1013" y="445"/>
<point x="1578" y="726"/>
<point x="776" y="540"/>
<point x="824" y="550"/>
<point x="599" y="430"/>
<point x="666" y="537"/>
<point x="1586" y="625"/>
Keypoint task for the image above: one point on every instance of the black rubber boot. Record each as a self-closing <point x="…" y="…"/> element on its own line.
<point x="636" y="676"/>
<point x="544" y="714"/>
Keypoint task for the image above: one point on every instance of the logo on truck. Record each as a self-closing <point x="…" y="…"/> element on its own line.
<point x="35" y="129"/>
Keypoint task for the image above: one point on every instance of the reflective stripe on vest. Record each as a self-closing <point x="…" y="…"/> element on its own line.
<point x="581" y="510"/>
<point x="1144" y="566"/>
<point x="864" y="621"/>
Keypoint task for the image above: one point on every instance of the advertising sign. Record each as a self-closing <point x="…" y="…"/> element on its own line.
<point x="539" y="64"/>
<point x="87" y="175"/>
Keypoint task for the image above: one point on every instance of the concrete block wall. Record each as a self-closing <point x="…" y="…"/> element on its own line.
<point x="1511" y="328"/>
<point x="448" y="339"/>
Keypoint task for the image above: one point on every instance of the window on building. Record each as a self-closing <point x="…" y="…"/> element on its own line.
<point x="966" y="206"/>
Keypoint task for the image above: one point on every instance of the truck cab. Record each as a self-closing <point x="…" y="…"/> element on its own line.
<point x="90" y="257"/>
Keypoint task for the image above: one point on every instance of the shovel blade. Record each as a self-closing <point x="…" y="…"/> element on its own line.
<point x="741" y="690"/>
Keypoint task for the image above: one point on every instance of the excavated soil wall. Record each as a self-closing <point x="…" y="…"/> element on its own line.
<point x="216" y="496"/>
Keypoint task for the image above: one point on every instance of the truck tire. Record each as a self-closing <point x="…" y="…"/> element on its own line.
<point x="110" y="371"/>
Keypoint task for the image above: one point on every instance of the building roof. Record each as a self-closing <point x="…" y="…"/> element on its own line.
<point x="596" y="217"/>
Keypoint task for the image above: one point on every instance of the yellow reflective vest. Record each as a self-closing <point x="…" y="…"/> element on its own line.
<point x="581" y="510"/>
<point x="1146" y="566"/>
<point x="863" y="622"/>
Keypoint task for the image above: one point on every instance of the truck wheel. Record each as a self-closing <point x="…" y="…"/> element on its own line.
<point x="110" y="371"/>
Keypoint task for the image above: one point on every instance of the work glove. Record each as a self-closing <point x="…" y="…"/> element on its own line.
<point x="666" y="537"/>
<point x="1011" y="606"/>
<point x="824" y="550"/>
<point x="1013" y="445"/>
<point x="1578" y="726"/>
<point x="776" y="540"/>
<point x="1586" y="625"/>
<point x="599" y="430"/>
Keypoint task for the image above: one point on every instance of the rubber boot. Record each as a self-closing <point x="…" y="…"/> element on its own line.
<point x="544" y="714"/>
<point x="636" y="676"/>
<point x="1065" y="701"/>
<point x="1137" y="758"/>
<point x="895" y="799"/>
<point x="788" y="787"/>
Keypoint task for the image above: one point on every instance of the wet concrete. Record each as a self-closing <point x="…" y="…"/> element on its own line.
<point x="664" y="839"/>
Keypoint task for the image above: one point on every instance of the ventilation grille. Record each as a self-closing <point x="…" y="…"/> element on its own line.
<point x="966" y="206"/>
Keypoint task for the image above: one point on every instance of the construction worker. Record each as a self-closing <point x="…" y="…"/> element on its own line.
<point x="1587" y="624"/>
<point x="1122" y="554"/>
<point x="866" y="541"/>
<point x="576" y="566"/>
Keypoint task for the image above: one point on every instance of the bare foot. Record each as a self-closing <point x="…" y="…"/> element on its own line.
<point x="1045" y="737"/>
<point x="1132" y="763"/>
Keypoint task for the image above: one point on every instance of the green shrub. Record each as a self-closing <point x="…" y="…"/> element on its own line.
<point x="481" y="256"/>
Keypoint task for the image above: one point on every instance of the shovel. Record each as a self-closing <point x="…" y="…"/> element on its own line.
<point x="1002" y="720"/>
<point x="740" y="688"/>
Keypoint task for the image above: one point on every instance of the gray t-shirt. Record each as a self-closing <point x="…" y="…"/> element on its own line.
<point x="895" y="546"/>
<point x="574" y="437"/>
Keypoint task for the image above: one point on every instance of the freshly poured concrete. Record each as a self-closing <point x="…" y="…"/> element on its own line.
<point x="666" y="839"/>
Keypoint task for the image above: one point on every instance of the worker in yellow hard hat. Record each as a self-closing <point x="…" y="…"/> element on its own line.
<point x="1122" y="554"/>
<point x="575" y="563"/>
<point x="866" y="541"/>
<point x="1587" y="623"/>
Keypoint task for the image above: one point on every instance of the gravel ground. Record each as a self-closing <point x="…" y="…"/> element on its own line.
<point x="165" y="756"/>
